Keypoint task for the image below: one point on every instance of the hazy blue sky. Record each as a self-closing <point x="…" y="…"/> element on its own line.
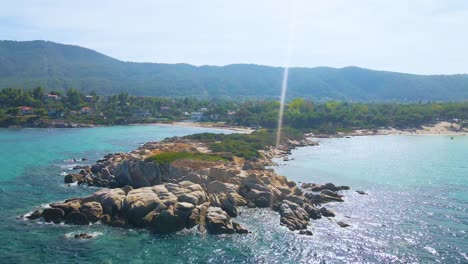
<point x="416" y="36"/>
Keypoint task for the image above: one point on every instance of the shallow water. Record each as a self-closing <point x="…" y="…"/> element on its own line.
<point x="415" y="210"/>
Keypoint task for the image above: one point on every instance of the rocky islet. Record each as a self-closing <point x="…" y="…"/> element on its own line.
<point x="170" y="197"/>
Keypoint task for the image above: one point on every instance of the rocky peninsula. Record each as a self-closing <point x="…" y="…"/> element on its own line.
<point x="197" y="180"/>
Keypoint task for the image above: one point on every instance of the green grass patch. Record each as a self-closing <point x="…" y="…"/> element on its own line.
<point x="244" y="145"/>
<point x="169" y="157"/>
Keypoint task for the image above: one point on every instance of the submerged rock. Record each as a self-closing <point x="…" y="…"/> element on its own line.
<point x="83" y="236"/>
<point x="361" y="192"/>
<point x="341" y="224"/>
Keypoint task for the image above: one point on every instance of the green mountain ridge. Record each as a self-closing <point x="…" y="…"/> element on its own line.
<point x="28" y="64"/>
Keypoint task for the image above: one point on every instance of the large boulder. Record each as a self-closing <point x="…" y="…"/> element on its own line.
<point x="237" y="199"/>
<point x="92" y="210"/>
<point x="260" y="198"/>
<point x="293" y="216"/>
<point x="68" y="206"/>
<point x="77" y="218"/>
<point x="137" y="173"/>
<point x="138" y="203"/>
<point x="228" y="205"/>
<point x="220" y="187"/>
<point x="218" y="222"/>
<point x="169" y="220"/>
<point x="55" y="215"/>
<point x="314" y="213"/>
<point x="326" y="213"/>
<point x="111" y="200"/>
<point x="328" y="198"/>
<point x="35" y="215"/>
<point x="73" y="177"/>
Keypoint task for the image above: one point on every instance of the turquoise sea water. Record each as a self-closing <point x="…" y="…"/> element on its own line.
<point x="415" y="210"/>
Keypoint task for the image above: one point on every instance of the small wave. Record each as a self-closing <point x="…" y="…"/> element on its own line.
<point x="63" y="173"/>
<point x="431" y="250"/>
<point x="71" y="235"/>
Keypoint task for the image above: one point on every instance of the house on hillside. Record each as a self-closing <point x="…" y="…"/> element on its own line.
<point x="86" y="110"/>
<point x="231" y="114"/>
<point x="55" y="112"/>
<point x="53" y="97"/>
<point x="142" y="113"/>
<point x="165" y="109"/>
<point x="26" y="110"/>
<point x="215" y="117"/>
<point x="196" y="116"/>
<point x="89" y="99"/>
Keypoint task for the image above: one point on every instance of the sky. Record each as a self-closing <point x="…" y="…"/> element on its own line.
<point x="417" y="36"/>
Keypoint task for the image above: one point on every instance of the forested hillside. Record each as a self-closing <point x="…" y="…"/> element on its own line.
<point x="30" y="64"/>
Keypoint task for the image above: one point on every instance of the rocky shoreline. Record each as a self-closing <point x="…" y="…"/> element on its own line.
<point x="182" y="194"/>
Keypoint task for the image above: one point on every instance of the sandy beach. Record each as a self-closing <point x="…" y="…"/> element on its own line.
<point x="440" y="128"/>
<point x="220" y="125"/>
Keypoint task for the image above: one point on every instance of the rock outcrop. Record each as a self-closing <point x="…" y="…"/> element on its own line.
<point x="170" y="197"/>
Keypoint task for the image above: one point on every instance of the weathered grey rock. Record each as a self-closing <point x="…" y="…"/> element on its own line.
<point x="111" y="200"/>
<point x="313" y="212"/>
<point x="83" y="236"/>
<point x="305" y="232"/>
<point x="127" y="189"/>
<point x="68" y="207"/>
<point x="189" y="198"/>
<point x="331" y="193"/>
<point x="341" y="224"/>
<point x="76" y="218"/>
<point x="167" y="221"/>
<point x="92" y="210"/>
<point x="35" y="215"/>
<point x="96" y="168"/>
<point x="239" y="229"/>
<point x="55" y="215"/>
<point x="327" y="186"/>
<point x="138" y="203"/>
<point x="218" y="222"/>
<point x="222" y="175"/>
<point x="326" y="213"/>
<point x="237" y="198"/>
<point x="105" y="174"/>
<point x="118" y="222"/>
<point x="361" y="192"/>
<point x="328" y="198"/>
<point x="251" y="205"/>
<point x="195" y="178"/>
<point x="250" y="165"/>
<point x="220" y="187"/>
<point x="73" y="177"/>
<point x="227" y="204"/>
<point x="260" y="198"/>
<point x="293" y="216"/>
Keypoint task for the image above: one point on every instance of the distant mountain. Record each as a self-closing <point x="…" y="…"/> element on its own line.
<point x="56" y="66"/>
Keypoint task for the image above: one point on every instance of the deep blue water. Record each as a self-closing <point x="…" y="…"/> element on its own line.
<point x="415" y="210"/>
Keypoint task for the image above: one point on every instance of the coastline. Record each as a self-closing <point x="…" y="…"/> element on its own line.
<point x="438" y="129"/>
<point x="239" y="129"/>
